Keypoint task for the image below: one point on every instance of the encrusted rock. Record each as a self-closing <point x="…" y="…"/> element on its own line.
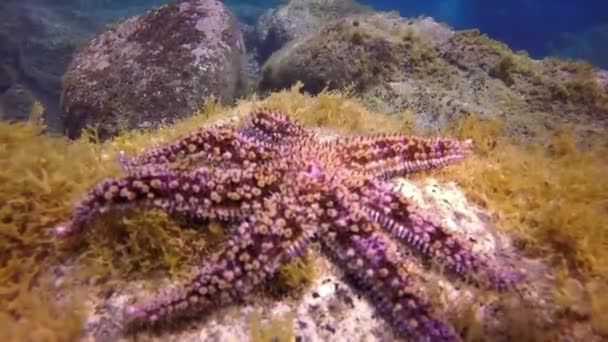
<point x="440" y="74"/>
<point x="297" y="18"/>
<point x="154" y="68"/>
<point x="362" y="50"/>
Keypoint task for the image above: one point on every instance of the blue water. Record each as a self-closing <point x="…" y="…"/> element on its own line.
<point x="541" y="27"/>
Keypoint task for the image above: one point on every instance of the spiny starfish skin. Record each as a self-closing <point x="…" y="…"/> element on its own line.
<point x="282" y="189"/>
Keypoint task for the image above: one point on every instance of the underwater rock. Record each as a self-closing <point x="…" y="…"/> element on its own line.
<point x="252" y="67"/>
<point x="361" y="50"/>
<point x="7" y="77"/>
<point x="37" y="40"/>
<point x="34" y="64"/>
<point x="297" y="18"/>
<point x="419" y="65"/>
<point x="154" y="68"/>
<point x="16" y="104"/>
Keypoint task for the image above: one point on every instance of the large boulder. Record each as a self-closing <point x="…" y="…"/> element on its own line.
<point x="424" y="67"/>
<point x="296" y="18"/>
<point x="154" y="68"/>
<point x="361" y="50"/>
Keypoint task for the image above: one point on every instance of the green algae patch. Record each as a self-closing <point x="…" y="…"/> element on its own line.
<point x="293" y="278"/>
<point x="37" y="182"/>
<point x="39" y="316"/>
<point x="336" y="110"/>
<point x="551" y="194"/>
<point x="41" y="178"/>
<point x="362" y="50"/>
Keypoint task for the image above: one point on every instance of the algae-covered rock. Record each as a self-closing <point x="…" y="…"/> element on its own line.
<point x="154" y="67"/>
<point x="360" y="50"/>
<point x="297" y="18"/>
<point x="427" y="68"/>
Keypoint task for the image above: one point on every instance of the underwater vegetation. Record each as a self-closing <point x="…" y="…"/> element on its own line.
<point x="282" y="188"/>
<point x="547" y="191"/>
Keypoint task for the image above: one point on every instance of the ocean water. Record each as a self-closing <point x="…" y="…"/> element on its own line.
<point x="541" y="27"/>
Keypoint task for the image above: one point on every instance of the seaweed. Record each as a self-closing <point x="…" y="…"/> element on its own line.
<point x="547" y="191"/>
<point x="549" y="194"/>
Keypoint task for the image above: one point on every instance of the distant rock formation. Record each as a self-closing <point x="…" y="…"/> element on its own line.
<point x="36" y="42"/>
<point x="399" y="64"/>
<point x="154" y="68"/>
<point x="297" y="18"/>
<point x="16" y="104"/>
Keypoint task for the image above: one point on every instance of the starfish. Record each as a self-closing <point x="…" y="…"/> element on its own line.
<point x="280" y="187"/>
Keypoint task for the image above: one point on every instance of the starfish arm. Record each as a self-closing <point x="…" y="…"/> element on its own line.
<point x="424" y="232"/>
<point x="273" y="127"/>
<point x="393" y="155"/>
<point x="387" y="276"/>
<point x="254" y="252"/>
<point x="217" y="145"/>
<point x="225" y="195"/>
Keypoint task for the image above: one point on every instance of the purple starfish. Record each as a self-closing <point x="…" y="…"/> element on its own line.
<point x="282" y="189"/>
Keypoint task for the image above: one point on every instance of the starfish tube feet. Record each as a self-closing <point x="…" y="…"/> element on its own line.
<point x="403" y="219"/>
<point x="199" y="194"/>
<point x="205" y="147"/>
<point x="377" y="267"/>
<point x="393" y="155"/>
<point x="115" y="193"/>
<point x="271" y="126"/>
<point x="64" y="230"/>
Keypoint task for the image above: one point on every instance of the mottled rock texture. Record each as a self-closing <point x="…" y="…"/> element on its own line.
<point x="297" y="18"/>
<point x="154" y="68"/>
<point x="427" y="68"/>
